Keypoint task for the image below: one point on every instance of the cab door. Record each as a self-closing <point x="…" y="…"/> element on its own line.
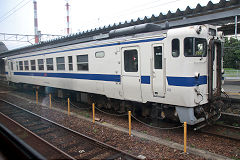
<point x="158" y="73"/>
<point x="131" y="80"/>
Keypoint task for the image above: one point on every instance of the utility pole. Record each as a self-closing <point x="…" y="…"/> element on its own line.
<point x="67" y="7"/>
<point x="35" y="22"/>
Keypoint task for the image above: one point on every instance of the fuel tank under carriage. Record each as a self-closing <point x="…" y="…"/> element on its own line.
<point x="162" y="73"/>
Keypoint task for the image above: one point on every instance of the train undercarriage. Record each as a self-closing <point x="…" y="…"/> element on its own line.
<point x="202" y="114"/>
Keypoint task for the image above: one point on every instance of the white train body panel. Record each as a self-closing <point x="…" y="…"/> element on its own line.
<point x="175" y="83"/>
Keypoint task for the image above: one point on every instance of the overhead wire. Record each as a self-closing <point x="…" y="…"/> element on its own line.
<point x="11" y="10"/>
<point x="15" y="11"/>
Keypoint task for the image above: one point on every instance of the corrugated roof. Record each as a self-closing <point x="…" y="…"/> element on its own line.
<point x="210" y="8"/>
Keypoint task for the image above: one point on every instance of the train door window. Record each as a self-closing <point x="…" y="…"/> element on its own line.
<point x="26" y="65"/>
<point x="12" y="66"/>
<point x="158" y="57"/>
<point x="82" y="62"/>
<point x="60" y="63"/>
<point x="131" y="60"/>
<point x="70" y="63"/>
<point x="49" y="64"/>
<point x="195" y="47"/>
<point x="175" y="48"/>
<point x="33" y="65"/>
<point x="40" y="64"/>
<point x="21" y="65"/>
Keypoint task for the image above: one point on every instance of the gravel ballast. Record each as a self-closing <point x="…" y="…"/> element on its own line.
<point x="121" y="140"/>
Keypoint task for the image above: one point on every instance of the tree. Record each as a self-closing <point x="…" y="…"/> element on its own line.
<point x="231" y="53"/>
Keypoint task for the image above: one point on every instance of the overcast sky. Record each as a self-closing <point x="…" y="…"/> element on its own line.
<point x="16" y="16"/>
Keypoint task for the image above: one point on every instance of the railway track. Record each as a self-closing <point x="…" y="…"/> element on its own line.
<point x="72" y="143"/>
<point x="227" y="126"/>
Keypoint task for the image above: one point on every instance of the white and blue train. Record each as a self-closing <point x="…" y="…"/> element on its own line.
<point x="163" y="73"/>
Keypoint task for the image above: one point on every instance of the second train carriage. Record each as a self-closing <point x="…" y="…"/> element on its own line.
<point x="166" y="73"/>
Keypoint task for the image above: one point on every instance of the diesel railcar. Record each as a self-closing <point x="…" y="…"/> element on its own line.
<point x="161" y="73"/>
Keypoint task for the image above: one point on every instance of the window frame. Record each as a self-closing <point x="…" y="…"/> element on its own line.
<point x="11" y="65"/>
<point x="178" y="48"/>
<point x="130" y="66"/>
<point x="33" y="65"/>
<point x="26" y="66"/>
<point x="62" y="63"/>
<point x="82" y="63"/>
<point x="40" y="64"/>
<point x="17" y="67"/>
<point x="101" y="56"/>
<point x="194" y="47"/>
<point x="49" y="64"/>
<point x="155" y="59"/>
<point x="70" y="63"/>
<point x="21" y="65"/>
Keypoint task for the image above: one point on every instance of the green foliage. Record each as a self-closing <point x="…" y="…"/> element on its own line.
<point x="232" y="53"/>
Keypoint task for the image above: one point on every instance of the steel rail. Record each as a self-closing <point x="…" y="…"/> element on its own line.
<point x="130" y="156"/>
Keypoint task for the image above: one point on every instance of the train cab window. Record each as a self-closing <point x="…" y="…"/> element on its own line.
<point x="26" y="65"/>
<point x="158" y="57"/>
<point x="21" y="65"/>
<point x="195" y="47"/>
<point x="60" y="63"/>
<point x="175" y="47"/>
<point x="49" y="64"/>
<point x="40" y="64"/>
<point x="82" y="62"/>
<point x="70" y="63"/>
<point x="33" y="65"/>
<point x="131" y="60"/>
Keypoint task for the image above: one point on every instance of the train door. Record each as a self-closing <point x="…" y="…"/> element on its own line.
<point x="158" y="73"/>
<point x="131" y="80"/>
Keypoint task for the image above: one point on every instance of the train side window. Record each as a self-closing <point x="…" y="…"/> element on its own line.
<point x="195" y="47"/>
<point x="70" y="63"/>
<point x="40" y="64"/>
<point x="26" y="65"/>
<point x="175" y="48"/>
<point x="131" y="60"/>
<point x="33" y="65"/>
<point x="60" y="63"/>
<point x="82" y="62"/>
<point x="17" y="65"/>
<point x="158" y="57"/>
<point x="21" y="65"/>
<point x="12" y="66"/>
<point x="100" y="54"/>
<point x="49" y="64"/>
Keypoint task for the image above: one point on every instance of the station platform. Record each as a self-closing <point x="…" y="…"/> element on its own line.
<point x="232" y="88"/>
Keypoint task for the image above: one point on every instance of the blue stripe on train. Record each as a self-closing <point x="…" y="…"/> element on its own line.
<point x="100" y="77"/>
<point x="173" y="81"/>
<point x="187" y="81"/>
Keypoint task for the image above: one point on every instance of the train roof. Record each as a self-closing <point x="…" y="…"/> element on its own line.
<point x="108" y="32"/>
